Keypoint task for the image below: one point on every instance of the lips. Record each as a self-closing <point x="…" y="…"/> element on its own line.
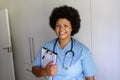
<point x="62" y="33"/>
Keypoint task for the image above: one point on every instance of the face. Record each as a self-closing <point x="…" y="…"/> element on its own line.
<point x="63" y="28"/>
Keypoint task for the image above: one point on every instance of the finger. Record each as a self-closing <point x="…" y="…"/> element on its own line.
<point x="48" y="66"/>
<point x="54" y="69"/>
<point x="54" y="66"/>
<point x="51" y="63"/>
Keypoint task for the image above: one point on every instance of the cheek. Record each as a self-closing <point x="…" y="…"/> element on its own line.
<point x="69" y="30"/>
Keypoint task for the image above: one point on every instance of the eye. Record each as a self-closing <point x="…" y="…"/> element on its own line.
<point x="57" y="25"/>
<point x="65" y="25"/>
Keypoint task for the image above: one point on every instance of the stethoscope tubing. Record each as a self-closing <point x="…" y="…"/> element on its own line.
<point x="71" y="51"/>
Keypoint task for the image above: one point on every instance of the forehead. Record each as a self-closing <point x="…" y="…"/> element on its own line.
<point x="63" y="20"/>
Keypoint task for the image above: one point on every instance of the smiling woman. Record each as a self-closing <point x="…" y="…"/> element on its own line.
<point x="65" y="21"/>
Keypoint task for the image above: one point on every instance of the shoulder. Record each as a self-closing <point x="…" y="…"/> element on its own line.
<point x="49" y="44"/>
<point x="80" y="48"/>
<point x="79" y="45"/>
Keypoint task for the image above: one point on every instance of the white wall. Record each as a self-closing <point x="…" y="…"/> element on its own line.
<point x="106" y="38"/>
<point x="100" y="30"/>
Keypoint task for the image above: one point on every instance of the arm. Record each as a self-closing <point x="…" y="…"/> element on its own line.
<point x="89" y="67"/>
<point x="90" y="78"/>
<point x="49" y="70"/>
<point x="38" y="72"/>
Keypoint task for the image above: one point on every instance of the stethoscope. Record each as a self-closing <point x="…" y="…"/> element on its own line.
<point x="69" y="51"/>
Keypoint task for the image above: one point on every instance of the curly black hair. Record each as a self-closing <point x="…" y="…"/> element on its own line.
<point x="68" y="13"/>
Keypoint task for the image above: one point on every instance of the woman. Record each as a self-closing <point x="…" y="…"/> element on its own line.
<point x="74" y="60"/>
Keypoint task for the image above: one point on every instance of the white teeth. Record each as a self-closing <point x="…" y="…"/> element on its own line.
<point x="62" y="32"/>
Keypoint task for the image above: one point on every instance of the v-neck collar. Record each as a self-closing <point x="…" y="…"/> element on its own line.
<point x="67" y="46"/>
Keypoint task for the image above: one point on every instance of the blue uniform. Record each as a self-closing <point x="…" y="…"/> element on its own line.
<point x="82" y="63"/>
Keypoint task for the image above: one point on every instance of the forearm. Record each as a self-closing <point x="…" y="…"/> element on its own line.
<point x="38" y="72"/>
<point x="90" y="78"/>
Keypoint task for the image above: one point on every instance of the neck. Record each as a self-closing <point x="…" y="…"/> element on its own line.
<point x="63" y="42"/>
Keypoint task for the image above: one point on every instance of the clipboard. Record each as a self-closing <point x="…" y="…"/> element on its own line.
<point x="46" y="57"/>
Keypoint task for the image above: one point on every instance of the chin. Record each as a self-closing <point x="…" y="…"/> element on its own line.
<point x="63" y="38"/>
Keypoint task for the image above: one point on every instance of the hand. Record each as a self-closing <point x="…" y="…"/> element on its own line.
<point x="90" y="78"/>
<point x="51" y="69"/>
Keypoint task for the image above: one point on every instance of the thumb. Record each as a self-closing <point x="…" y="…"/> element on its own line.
<point x="51" y="63"/>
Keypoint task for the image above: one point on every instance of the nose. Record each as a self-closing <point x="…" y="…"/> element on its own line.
<point x="62" y="28"/>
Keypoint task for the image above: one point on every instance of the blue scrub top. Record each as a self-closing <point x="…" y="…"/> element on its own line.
<point x="82" y="63"/>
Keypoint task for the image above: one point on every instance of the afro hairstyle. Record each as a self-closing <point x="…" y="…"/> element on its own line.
<point x="68" y="13"/>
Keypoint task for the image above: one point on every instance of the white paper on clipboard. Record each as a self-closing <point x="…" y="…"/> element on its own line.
<point x="46" y="57"/>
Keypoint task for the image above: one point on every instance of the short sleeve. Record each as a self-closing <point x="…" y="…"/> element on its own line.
<point x="37" y="61"/>
<point x="88" y="65"/>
